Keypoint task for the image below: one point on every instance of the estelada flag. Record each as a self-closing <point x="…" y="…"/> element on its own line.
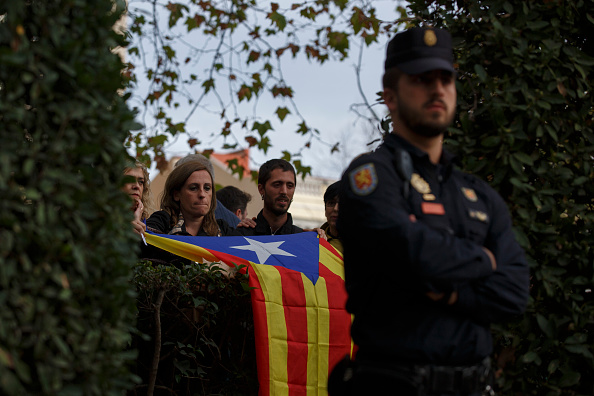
<point x="302" y="328"/>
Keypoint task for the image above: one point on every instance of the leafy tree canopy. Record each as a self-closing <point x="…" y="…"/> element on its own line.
<point x="192" y="59"/>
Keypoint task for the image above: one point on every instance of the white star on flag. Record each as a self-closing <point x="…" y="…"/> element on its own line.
<point x="264" y="249"/>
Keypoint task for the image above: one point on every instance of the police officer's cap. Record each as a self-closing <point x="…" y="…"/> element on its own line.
<point x="419" y="50"/>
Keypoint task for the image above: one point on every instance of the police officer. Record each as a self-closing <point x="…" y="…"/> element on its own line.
<point x="430" y="257"/>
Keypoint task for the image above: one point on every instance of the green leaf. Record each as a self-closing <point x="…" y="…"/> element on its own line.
<point x="583" y="350"/>
<point x="339" y="41"/>
<point x="278" y="19"/>
<point x="262" y="128"/>
<point x="481" y="72"/>
<point x="491" y="141"/>
<point x="282" y="112"/>
<point x="531" y="357"/>
<point x="545" y="325"/>
<point x="569" y="379"/>
<point x="524" y="158"/>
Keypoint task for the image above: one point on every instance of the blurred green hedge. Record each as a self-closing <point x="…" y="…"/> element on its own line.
<point x="66" y="246"/>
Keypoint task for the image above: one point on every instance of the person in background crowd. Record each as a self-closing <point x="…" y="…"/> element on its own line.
<point x="221" y="212"/>
<point x="235" y="200"/>
<point x="139" y="191"/>
<point x="331" y="213"/>
<point x="446" y="236"/>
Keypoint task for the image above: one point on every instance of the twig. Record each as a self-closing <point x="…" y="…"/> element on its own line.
<point x="157" y="353"/>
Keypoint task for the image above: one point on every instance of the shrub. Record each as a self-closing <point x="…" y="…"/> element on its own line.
<point x="196" y="331"/>
<point x="67" y="247"/>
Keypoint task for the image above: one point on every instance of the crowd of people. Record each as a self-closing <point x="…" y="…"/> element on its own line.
<point x="190" y="205"/>
<point x="446" y="235"/>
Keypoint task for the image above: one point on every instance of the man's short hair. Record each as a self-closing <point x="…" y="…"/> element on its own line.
<point x="270" y="165"/>
<point x="233" y="198"/>
<point x="332" y="191"/>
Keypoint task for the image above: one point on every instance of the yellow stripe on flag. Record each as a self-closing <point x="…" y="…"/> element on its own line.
<point x="331" y="261"/>
<point x="318" y="326"/>
<point x="182" y="249"/>
<point x="270" y="283"/>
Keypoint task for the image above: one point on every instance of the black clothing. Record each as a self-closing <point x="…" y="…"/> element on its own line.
<point x="160" y="222"/>
<point x="391" y="262"/>
<point x="263" y="228"/>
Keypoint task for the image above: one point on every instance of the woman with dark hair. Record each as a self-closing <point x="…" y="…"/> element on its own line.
<point x="188" y="204"/>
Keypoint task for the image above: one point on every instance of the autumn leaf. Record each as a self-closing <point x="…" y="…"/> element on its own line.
<point x="252" y="141"/>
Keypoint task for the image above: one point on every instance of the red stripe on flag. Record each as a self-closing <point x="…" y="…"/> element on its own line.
<point x="340" y="319"/>
<point x="229" y="259"/>
<point x="296" y="320"/>
<point x="330" y="248"/>
<point x="261" y="332"/>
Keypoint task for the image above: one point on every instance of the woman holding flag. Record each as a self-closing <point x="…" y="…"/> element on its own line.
<point x="187" y="205"/>
<point x="187" y="208"/>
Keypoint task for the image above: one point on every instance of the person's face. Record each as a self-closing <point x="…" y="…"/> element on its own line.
<point x="195" y="196"/>
<point x="425" y="104"/>
<point x="332" y="211"/>
<point x="278" y="191"/>
<point x="135" y="189"/>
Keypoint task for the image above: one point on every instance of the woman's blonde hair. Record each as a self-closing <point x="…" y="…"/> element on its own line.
<point x="175" y="181"/>
<point x="146" y="191"/>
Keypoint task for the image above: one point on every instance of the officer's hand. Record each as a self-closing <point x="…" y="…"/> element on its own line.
<point x="247" y="223"/>
<point x="440" y="296"/>
<point x="492" y="258"/>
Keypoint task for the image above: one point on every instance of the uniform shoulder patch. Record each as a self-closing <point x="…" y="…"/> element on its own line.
<point x="363" y="179"/>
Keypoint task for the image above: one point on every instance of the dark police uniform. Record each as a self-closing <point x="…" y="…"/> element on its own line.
<point x="392" y="262"/>
<point x="263" y="228"/>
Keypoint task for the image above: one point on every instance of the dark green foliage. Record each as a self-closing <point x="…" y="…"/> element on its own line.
<point x="66" y="244"/>
<point x="206" y="329"/>
<point x="525" y="124"/>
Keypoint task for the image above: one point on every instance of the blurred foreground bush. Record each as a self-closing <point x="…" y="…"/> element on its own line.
<point x="66" y="245"/>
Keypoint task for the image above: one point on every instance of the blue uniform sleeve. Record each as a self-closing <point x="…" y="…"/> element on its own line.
<point x="505" y="292"/>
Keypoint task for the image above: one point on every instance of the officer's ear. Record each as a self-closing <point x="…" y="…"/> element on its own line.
<point x="390" y="99"/>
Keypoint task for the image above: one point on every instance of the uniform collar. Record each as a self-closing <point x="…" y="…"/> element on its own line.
<point x="446" y="161"/>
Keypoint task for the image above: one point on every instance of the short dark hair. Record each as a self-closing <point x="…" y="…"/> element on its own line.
<point x="270" y="165"/>
<point x="332" y="191"/>
<point x="391" y="78"/>
<point x="233" y="198"/>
